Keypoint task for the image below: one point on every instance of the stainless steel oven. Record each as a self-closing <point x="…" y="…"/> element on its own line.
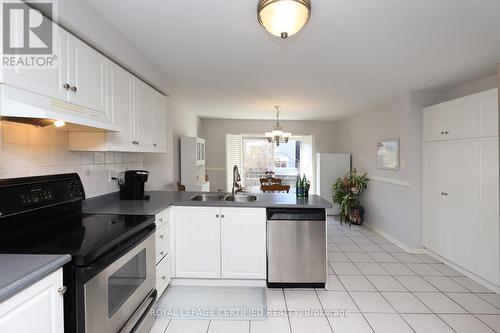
<point x="118" y="297"/>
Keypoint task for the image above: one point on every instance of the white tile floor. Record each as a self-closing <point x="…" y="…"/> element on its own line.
<point x="382" y="288"/>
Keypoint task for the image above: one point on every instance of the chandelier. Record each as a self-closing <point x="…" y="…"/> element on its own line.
<point x="277" y="136"/>
<point x="283" y="18"/>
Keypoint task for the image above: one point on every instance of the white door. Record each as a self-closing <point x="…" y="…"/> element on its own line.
<point x="243" y="243"/>
<point x="434" y="119"/>
<point x="87" y="76"/>
<point x="120" y="101"/>
<point x="434" y="164"/>
<point x="459" y="198"/>
<point x="38" y="308"/>
<point x="159" y="123"/>
<point x="142" y="114"/>
<point x="47" y="82"/>
<point x="197" y="242"/>
<point x="487" y="113"/>
<point x="461" y="118"/>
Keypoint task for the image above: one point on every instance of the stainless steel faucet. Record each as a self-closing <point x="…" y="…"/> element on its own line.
<point x="236" y="180"/>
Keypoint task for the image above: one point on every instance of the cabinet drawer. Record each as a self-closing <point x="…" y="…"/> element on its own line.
<point x="163" y="275"/>
<point x="162" y="242"/>
<point x="162" y="218"/>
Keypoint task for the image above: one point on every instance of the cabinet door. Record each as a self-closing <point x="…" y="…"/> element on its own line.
<point x="487" y="113"/>
<point x="197" y="242"/>
<point x="86" y="73"/>
<point x="120" y="99"/>
<point x="47" y="82"/>
<point x="159" y="123"/>
<point x="434" y="164"/>
<point x="488" y="246"/>
<point x="39" y="308"/>
<point x="459" y="198"/>
<point x="434" y="122"/>
<point x="488" y="233"/>
<point x="142" y="114"/>
<point x="243" y="243"/>
<point x="461" y="118"/>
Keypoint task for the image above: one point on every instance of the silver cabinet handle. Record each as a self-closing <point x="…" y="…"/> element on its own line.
<point x="66" y="86"/>
<point x="222" y="216"/>
<point x="74" y="89"/>
<point x="446" y="132"/>
<point x="161" y="219"/>
<point x="161" y="236"/>
<point x="155" y="145"/>
<point x="163" y="277"/>
<point x="62" y="290"/>
<point x="445" y="194"/>
<point x="217" y="216"/>
<point x="442" y="132"/>
<point x="161" y="252"/>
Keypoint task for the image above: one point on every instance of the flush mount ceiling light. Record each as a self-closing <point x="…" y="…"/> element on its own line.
<point x="283" y="18"/>
<point x="277" y="136"/>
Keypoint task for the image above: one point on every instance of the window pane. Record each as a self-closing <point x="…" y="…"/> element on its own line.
<point x="260" y="156"/>
<point x="125" y="281"/>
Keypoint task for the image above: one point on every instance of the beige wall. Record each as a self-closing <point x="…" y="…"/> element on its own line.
<point x="215" y="130"/>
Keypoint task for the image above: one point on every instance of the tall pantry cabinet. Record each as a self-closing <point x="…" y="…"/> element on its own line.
<point x="461" y="183"/>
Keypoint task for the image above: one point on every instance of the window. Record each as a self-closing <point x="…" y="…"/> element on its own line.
<point x="259" y="156"/>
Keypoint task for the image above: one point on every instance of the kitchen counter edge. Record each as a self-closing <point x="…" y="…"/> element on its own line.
<point x="161" y="200"/>
<point x="20" y="271"/>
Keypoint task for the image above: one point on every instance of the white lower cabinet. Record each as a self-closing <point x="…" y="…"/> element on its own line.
<point x="197" y="242"/>
<point x="212" y="242"/>
<point x="243" y="243"/>
<point x="38" y="308"/>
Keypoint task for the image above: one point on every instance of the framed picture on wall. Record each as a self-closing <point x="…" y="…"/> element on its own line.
<point x="388" y="154"/>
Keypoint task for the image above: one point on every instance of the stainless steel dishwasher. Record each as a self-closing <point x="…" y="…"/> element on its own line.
<point x="296" y="248"/>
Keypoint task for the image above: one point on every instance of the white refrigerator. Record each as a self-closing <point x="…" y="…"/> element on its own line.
<point x="330" y="167"/>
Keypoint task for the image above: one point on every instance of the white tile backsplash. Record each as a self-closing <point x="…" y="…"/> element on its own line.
<point x="29" y="151"/>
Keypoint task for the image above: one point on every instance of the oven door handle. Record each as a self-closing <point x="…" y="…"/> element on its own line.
<point x="140" y="314"/>
<point x="100" y="264"/>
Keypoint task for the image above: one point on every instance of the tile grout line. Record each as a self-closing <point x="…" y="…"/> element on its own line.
<point x="399" y="314"/>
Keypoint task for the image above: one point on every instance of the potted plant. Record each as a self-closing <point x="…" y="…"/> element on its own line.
<point x="346" y="192"/>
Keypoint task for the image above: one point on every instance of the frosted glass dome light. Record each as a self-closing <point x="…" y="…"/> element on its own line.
<point x="283" y="18"/>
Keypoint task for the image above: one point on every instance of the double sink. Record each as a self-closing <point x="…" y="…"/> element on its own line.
<point x="216" y="197"/>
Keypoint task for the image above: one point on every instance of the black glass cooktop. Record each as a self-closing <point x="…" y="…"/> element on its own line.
<point x="84" y="236"/>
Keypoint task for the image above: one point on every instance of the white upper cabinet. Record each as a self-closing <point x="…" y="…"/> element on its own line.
<point x="434" y="122"/>
<point x="461" y="118"/>
<point x="86" y="76"/>
<point x="120" y="99"/>
<point x="142" y="114"/>
<point x="47" y="82"/>
<point x="243" y="243"/>
<point x="159" y="123"/>
<point x="487" y="113"/>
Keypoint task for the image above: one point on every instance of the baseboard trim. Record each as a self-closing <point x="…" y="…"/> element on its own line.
<point x="397" y="242"/>
<point x="465" y="272"/>
<point x="217" y="282"/>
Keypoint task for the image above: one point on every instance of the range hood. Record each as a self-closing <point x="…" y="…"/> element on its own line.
<point x="21" y="106"/>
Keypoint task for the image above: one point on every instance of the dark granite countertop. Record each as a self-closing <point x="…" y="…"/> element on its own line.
<point x="160" y="200"/>
<point x="19" y="271"/>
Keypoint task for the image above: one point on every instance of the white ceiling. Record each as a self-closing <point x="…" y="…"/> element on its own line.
<point x="351" y="55"/>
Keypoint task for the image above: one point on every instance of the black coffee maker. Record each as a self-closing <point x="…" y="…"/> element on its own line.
<point x="132" y="187"/>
